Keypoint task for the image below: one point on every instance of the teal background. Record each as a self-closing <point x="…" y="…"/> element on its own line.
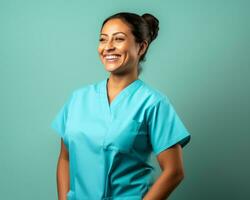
<point x="200" y="60"/>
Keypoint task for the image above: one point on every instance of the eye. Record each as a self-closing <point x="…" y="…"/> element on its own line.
<point x="119" y="39"/>
<point x="101" y="39"/>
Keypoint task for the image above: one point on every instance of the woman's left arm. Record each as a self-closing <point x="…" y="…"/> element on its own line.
<point x="171" y="164"/>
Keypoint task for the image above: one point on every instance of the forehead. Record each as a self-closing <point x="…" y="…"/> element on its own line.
<point x="115" y="25"/>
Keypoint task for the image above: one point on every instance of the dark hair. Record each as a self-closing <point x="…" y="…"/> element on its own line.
<point x="143" y="27"/>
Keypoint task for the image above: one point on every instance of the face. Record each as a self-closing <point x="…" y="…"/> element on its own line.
<point x="117" y="48"/>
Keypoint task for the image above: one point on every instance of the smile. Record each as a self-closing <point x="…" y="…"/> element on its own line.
<point x="112" y="57"/>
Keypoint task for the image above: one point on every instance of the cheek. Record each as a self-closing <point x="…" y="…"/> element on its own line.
<point x="132" y="54"/>
<point x="123" y="47"/>
<point x="131" y="51"/>
<point x="99" y="49"/>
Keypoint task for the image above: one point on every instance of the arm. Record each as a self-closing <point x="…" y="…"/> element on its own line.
<point x="172" y="174"/>
<point x="63" y="173"/>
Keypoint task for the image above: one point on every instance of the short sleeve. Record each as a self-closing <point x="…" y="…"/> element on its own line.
<point x="59" y="123"/>
<point x="165" y="127"/>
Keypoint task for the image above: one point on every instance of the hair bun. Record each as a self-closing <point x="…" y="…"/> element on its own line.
<point x="153" y="24"/>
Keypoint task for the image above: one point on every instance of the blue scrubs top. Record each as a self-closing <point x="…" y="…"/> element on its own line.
<point x="109" y="145"/>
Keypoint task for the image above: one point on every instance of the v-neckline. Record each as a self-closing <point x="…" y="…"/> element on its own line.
<point x="130" y="88"/>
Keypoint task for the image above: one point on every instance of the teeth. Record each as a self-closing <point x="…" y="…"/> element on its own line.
<point x="111" y="57"/>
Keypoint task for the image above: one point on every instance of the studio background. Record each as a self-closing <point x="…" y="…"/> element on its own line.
<point x="200" y="60"/>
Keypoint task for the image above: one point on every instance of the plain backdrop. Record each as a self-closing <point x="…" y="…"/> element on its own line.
<point x="200" y="60"/>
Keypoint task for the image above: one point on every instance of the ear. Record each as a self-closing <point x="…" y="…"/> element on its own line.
<point x="143" y="47"/>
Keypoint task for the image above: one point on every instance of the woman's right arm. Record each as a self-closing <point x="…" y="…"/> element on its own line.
<point x="63" y="173"/>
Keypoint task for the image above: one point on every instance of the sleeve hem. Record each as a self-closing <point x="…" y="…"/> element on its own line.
<point x="182" y="140"/>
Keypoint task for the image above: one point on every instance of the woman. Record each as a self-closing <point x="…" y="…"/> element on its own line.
<point x="110" y="128"/>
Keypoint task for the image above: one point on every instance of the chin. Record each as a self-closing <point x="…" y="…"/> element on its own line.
<point x="112" y="67"/>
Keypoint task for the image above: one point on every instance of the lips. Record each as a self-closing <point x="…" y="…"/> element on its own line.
<point x="111" y="57"/>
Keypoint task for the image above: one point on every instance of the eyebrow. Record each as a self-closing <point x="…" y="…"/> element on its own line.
<point x="114" y="33"/>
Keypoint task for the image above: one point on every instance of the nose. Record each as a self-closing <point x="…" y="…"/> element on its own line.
<point x="109" y="45"/>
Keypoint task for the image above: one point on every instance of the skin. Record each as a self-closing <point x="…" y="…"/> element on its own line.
<point x="117" y="38"/>
<point x="171" y="164"/>
<point x="63" y="173"/>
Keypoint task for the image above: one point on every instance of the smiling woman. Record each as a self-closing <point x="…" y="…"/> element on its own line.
<point x="130" y="35"/>
<point x="110" y="128"/>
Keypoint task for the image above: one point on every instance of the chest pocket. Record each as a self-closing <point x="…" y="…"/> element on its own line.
<point x="121" y="135"/>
